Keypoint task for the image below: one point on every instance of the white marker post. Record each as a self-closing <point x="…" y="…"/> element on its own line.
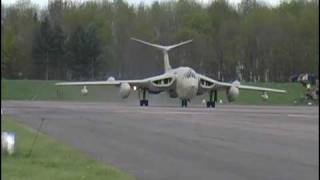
<point x="8" y="142"/>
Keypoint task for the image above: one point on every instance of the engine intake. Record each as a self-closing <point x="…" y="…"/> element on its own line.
<point x="162" y="82"/>
<point x="206" y="84"/>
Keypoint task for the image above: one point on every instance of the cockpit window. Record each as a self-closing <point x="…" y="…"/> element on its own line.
<point x="189" y="74"/>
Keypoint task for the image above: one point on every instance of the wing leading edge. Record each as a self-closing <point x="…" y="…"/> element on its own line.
<point x="216" y="85"/>
<point x="161" y="81"/>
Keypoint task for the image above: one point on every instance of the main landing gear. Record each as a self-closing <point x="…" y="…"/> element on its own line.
<point x="184" y="102"/>
<point x="143" y="101"/>
<point x="212" y="103"/>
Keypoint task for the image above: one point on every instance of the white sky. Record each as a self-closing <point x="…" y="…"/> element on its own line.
<point x="42" y="3"/>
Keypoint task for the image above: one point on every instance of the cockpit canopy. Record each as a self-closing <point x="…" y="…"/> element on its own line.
<point x="190" y="74"/>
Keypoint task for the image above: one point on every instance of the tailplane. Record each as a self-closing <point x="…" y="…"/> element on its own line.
<point x="164" y="49"/>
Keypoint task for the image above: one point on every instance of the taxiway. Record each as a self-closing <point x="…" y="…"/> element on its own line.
<point x="161" y="143"/>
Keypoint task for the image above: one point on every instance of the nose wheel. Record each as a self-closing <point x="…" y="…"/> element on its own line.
<point x="184" y="102"/>
<point x="212" y="102"/>
<point x="143" y="101"/>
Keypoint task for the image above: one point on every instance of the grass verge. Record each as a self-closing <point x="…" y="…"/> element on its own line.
<point x="50" y="159"/>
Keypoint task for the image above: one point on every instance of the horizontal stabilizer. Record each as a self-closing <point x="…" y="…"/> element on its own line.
<point x="164" y="49"/>
<point x="160" y="47"/>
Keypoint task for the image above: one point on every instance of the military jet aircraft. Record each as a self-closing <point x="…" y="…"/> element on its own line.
<point x="182" y="82"/>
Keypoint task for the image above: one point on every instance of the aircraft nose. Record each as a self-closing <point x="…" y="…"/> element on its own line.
<point x="194" y="86"/>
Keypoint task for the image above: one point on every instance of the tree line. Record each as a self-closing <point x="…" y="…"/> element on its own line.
<point x="70" y="40"/>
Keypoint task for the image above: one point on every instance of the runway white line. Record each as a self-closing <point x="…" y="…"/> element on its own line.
<point x="302" y="116"/>
<point x="161" y="112"/>
<point x="212" y="113"/>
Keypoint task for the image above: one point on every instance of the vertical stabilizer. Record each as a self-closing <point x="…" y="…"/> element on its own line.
<point x="166" y="62"/>
<point x="164" y="49"/>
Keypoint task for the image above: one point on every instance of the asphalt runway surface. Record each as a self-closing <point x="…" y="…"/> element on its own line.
<point x="195" y="143"/>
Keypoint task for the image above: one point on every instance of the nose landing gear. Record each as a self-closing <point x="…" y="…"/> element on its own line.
<point x="212" y="103"/>
<point x="184" y="102"/>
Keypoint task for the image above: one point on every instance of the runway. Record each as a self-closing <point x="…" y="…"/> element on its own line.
<point x="194" y="143"/>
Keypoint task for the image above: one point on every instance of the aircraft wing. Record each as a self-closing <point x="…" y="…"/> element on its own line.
<point x="207" y="83"/>
<point x="155" y="83"/>
<point x="101" y="83"/>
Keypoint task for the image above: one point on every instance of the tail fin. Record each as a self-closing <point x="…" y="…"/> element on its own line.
<point x="164" y="49"/>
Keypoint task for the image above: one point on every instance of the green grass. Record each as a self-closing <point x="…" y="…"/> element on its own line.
<point x="50" y="159"/>
<point x="45" y="90"/>
<point x="294" y="92"/>
<point x="27" y="90"/>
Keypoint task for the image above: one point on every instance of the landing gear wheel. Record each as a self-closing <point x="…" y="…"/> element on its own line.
<point x="208" y="104"/>
<point x="184" y="103"/>
<point x="144" y="101"/>
<point x="211" y="104"/>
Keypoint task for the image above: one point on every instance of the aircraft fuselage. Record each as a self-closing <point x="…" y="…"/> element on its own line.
<point x="187" y="82"/>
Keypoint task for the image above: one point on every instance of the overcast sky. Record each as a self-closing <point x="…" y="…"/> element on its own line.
<point x="42" y="3"/>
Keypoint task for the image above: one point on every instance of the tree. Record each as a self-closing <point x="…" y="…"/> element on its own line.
<point x="18" y="22"/>
<point x="221" y="14"/>
<point x="57" y="53"/>
<point x="90" y="39"/>
<point x="83" y="51"/>
<point x="93" y="48"/>
<point x="42" y="50"/>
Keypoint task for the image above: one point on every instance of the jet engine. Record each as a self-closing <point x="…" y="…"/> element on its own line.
<point x="232" y="93"/>
<point x="124" y="90"/>
<point x="84" y="91"/>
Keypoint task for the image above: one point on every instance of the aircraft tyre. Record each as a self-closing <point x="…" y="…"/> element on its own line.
<point x="208" y="104"/>
<point x="144" y="103"/>
<point x="184" y="103"/>
<point x="211" y="104"/>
